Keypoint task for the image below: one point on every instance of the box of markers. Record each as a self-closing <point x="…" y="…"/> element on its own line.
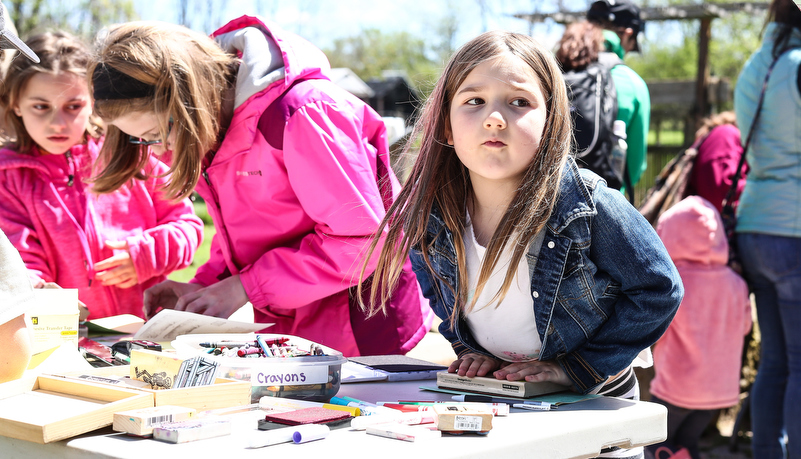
<point x="274" y="364"/>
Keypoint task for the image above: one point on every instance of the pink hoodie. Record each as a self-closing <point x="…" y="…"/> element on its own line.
<point x="296" y="190"/>
<point x="698" y="359"/>
<point x="60" y="227"/>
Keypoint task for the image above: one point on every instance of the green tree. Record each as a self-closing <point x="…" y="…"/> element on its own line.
<point x="371" y="52"/>
<point x="733" y="38"/>
<point x="80" y="17"/>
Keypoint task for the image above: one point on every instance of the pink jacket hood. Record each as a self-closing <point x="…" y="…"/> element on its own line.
<point x="698" y="359"/>
<point x="692" y="231"/>
<point x="296" y="190"/>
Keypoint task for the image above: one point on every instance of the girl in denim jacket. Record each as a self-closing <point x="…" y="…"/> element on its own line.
<point x="538" y="270"/>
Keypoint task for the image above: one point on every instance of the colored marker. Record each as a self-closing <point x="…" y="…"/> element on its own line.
<point x="272" y="437"/>
<point x="362" y="422"/>
<point x="271" y="403"/>
<point x="498" y="409"/>
<point x="228" y="344"/>
<point x="406" y="408"/>
<point x="366" y="410"/>
<point x="485" y="399"/>
<point x="310" y="432"/>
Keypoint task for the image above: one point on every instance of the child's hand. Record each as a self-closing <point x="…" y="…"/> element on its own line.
<point x="219" y="300"/>
<point x="117" y="270"/>
<point x="165" y="295"/>
<point x="472" y="365"/>
<point x="534" y="371"/>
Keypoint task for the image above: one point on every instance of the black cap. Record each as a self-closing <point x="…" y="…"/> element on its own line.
<point x="9" y="40"/>
<point x="621" y="13"/>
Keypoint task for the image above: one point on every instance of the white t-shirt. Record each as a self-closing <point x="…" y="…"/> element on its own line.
<point x="508" y="330"/>
<point x="16" y="293"/>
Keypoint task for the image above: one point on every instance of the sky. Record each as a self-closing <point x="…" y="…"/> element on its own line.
<point x="322" y="21"/>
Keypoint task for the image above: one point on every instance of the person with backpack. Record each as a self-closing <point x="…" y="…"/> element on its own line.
<point x="622" y="24"/>
<point x="593" y="101"/>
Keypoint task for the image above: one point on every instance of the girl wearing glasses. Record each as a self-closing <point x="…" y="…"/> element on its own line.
<point x="111" y="247"/>
<point x="294" y="171"/>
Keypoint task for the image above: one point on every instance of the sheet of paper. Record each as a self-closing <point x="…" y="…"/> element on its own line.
<point x="64" y="358"/>
<point x="123" y="323"/>
<point x="168" y="324"/>
<point x="354" y="372"/>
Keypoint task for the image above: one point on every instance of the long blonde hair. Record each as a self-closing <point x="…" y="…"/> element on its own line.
<point x="438" y="179"/>
<point x="189" y="74"/>
<point x="59" y="52"/>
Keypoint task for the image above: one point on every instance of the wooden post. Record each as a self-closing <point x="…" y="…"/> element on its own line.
<point x="702" y="78"/>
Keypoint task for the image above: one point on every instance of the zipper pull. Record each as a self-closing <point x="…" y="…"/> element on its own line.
<point x="71" y="176"/>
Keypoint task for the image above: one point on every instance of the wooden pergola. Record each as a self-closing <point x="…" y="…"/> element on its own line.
<point x="704" y="12"/>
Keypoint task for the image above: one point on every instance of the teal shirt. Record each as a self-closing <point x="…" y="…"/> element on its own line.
<point x="770" y="201"/>
<point x="633" y="108"/>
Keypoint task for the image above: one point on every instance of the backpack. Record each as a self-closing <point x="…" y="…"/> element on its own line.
<point x="593" y="108"/>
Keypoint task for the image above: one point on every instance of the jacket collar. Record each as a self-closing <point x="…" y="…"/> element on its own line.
<point x="770" y="37"/>
<point x="268" y="55"/>
<point x="573" y="201"/>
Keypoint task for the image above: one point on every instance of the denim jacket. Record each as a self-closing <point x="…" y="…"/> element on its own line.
<point x="603" y="286"/>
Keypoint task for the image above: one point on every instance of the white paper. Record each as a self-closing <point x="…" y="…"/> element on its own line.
<point x="169" y="324"/>
<point x="353" y="372"/>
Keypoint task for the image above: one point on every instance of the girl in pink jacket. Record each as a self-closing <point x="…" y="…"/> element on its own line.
<point x="294" y="171"/>
<point x="110" y="247"/>
<point x="698" y="359"/>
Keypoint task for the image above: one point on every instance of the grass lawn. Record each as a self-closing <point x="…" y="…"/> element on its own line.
<point x="666" y="137"/>
<point x="202" y="254"/>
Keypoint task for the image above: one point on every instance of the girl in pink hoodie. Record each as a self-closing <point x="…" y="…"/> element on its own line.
<point x="698" y="359"/>
<point x="294" y="171"/>
<point x="110" y="247"/>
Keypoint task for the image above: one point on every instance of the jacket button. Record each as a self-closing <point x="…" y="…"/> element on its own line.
<point x="551" y="245"/>
<point x="535" y="294"/>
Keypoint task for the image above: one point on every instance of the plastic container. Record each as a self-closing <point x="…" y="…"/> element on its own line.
<point x="313" y="377"/>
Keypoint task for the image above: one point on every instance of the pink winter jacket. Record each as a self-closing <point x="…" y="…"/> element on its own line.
<point x="60" y="227"/>
<point x="296" y="190"/>
<point x="698" y="359"/>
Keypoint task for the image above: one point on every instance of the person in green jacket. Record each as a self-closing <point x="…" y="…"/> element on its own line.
<point x="622" y="25"/>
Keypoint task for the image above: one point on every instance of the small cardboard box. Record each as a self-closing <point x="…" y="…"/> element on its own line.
<point x="54" y="318"/>
<point x="461" y="418"/>
<point x="44" y="409"/>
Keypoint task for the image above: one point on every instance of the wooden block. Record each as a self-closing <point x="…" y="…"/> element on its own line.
<point x="196" y="429"/>
<point x="463" y="418"/>
<point x="49" y="408"/>
<point x="141" y="422"/>
<point x="484" y="385"/>
<point x="159" y="369"/>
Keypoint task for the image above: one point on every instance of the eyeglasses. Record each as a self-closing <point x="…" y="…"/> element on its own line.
<point x="147" y="143"/>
